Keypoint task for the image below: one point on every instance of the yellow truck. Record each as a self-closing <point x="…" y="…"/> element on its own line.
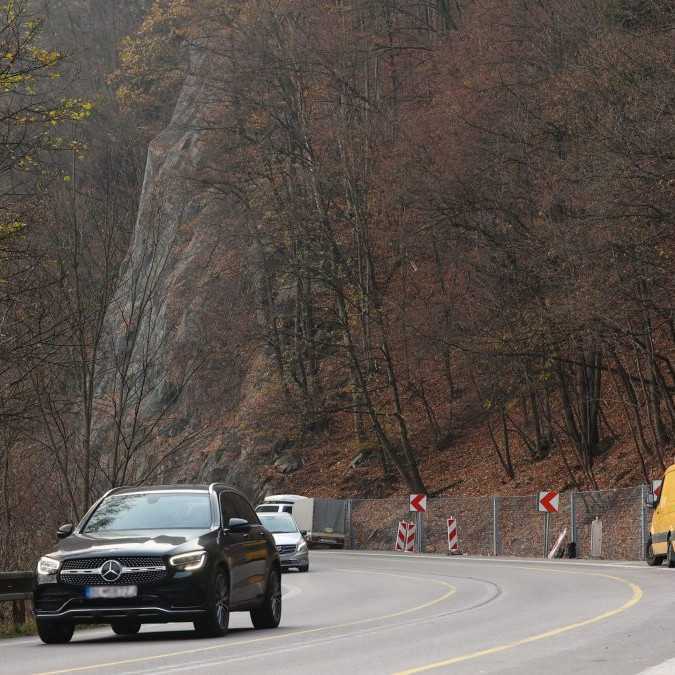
<point x="661" y="540"/>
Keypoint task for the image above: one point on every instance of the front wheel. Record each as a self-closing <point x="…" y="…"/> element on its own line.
<point x="651" y="558"/>
<point x="217" y="618"/>
<point x="55" y="633"/>
<point x="304" y="568"/>
<point x="670" y="555"/>
<point x="269" y="614"/>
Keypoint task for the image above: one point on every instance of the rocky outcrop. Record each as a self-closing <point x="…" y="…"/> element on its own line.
<point x="181" y="348"/>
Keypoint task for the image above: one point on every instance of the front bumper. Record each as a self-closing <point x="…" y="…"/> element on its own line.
<point x="180" y="597"/>
<point x="294" y="559"/>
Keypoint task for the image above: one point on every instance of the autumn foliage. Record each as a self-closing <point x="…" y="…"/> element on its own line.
<point x="460" y="211"/>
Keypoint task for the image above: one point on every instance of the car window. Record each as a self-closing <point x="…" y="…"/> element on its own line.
<point x="278" y="523"/>
<point x="228" y="508"/>
<point x="152" y="511"/>
<point x="243" y="508"/>
<point x="288" y="509"/>
<point x="267" y="508"/>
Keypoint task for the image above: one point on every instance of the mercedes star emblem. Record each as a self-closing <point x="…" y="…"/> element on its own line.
<point x="111" y="570"/>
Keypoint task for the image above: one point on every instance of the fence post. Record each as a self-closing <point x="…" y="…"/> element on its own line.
<point x="495" y="526"/>
<point x="419" y="534"/>
<point x="643" y="538"/>
<point x="573" y="517"/>
<point x="349" y="540"/>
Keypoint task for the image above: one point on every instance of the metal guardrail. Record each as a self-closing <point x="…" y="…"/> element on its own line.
<point x="16" y="586"/>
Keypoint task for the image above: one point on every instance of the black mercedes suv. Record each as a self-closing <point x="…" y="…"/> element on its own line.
<point x="157" y="555"/>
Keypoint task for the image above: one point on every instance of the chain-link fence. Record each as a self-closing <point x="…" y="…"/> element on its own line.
<point x="511" y="526"/>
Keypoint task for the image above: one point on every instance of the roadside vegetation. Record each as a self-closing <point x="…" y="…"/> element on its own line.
<point x="463" y="214"/>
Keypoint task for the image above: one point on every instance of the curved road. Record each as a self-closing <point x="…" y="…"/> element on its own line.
<point x="387" y="613"/>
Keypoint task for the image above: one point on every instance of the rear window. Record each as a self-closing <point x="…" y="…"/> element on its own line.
<point x="267" y="509"/>
<point x="152" y="511"/>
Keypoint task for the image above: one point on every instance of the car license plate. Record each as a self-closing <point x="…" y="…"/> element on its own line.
<point x="110" y="592"/>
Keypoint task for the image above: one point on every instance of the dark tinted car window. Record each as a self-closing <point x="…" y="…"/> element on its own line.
<point x="243" y="508"/>
<point x="288" y="509"/>
<point x="227" y="508"/>
<point x="268" y="509"/>
<point x="152" y="511"/>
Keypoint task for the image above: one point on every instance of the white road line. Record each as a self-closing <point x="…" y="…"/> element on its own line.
<point x="508" y="561"/>
<point x="666" y="668"/>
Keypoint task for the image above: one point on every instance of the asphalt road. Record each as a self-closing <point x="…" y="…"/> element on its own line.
<point x="387" y="613"/>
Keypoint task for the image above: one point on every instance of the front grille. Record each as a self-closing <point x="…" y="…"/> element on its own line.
<point x="95" y="563"/>
<point x="286" y="548"/>
<point x="132" y="577"/>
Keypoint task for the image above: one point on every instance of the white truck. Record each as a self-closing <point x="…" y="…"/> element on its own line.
<point x="322" y="521"/>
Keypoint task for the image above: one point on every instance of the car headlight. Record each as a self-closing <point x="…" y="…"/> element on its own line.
<point x="194" y="560"/>
<point x="48" y="567"/>
<point x="302" y="546"/>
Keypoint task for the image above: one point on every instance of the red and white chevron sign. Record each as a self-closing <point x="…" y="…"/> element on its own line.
<point x="549" y="501"/>
<point x="405" y="537"/>
<point x="453" y="539"/>
<point x="656" y="488"/>
<point x="418" y="503"/>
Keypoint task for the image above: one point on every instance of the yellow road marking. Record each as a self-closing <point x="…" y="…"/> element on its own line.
<point x="225" y="644"/>
<point x="635" y="598"/>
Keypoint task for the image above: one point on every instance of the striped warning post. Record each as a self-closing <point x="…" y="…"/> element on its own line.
<point x="410" y="538"/>
<point x="453" y="539"/>
<point x="401" y="536"/>
<point x="405" y="537"/>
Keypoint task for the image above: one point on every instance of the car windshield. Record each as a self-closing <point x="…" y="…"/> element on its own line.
<point x="152" y="511"/>
<point x="279" y="523"/>
<point x="273" y="508"/>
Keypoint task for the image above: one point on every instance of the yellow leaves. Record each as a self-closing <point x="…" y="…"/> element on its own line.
<point x="44" y="57"/>
<point x="11" y="81"/>
<point x="7" y="229"/>
<point x="150" y="68"/>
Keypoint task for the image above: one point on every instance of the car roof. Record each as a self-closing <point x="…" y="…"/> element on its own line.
<point x="283" y="499"/>
<point x="186" y="487"/>
<point x="161" y="488"/>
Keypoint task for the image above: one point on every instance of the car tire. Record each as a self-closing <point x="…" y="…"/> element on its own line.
<point x="304" y="568"/>
<point x="268" y="615"/>
<point x="670" y="555"/>
<point x="217" y="618"/>
<point x="126" y="627"/>
<point x="652" y="559"/>
<point x="55" y="633"/>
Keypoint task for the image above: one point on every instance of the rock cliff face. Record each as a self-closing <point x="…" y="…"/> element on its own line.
<point x="180" y="329"/>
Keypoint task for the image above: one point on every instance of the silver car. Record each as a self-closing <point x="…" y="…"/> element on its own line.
<point x="290" y="543"/>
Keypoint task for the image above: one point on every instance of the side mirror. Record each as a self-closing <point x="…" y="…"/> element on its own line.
<point x="651" y="500"/>
<point x="238" y="525"/>
<point x="65" y="531"/>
